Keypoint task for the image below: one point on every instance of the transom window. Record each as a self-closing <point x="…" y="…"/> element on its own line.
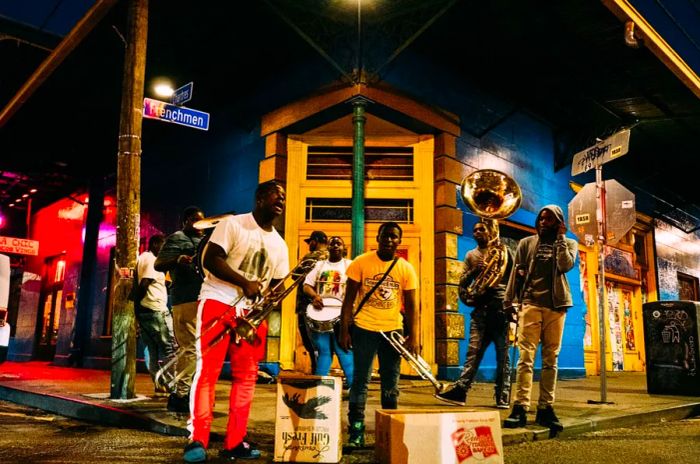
<point x="376" y="210"/>
<point x="381" y="163"/>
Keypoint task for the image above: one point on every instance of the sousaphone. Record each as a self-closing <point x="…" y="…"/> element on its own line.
<point x="491" y="195"/>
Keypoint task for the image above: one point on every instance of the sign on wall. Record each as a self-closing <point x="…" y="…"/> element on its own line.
<point x="20" y="246"/>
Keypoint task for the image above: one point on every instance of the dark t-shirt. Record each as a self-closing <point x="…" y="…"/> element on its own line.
<point x="186" y="281"/>
<point x="539" y="289"/>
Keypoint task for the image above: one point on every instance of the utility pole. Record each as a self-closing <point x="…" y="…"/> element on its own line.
<point x="128" y="202"/>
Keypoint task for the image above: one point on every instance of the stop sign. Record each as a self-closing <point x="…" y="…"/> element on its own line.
<point x="620" y="213"/>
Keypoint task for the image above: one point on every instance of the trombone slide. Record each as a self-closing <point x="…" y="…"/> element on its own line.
<point x="417" y="362"/>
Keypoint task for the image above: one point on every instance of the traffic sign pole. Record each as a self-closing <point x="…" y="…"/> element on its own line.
<point x="602" y="302"/>
<point x="612" y="221"/>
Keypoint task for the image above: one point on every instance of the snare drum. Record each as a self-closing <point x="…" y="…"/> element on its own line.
<point x="323" y="320"/>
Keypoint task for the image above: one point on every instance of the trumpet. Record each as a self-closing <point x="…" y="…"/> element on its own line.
<point x="245" y="327"/>
<point x="418" y="364"/>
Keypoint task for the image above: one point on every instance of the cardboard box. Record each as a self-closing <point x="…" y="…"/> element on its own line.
<point x="307" y="425"/>
<point x="420" y="436"/>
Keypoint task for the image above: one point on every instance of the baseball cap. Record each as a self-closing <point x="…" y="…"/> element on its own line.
<point x="318" y="235"/>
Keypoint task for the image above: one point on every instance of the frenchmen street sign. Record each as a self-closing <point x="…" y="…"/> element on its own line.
<point x="156" y="109"/>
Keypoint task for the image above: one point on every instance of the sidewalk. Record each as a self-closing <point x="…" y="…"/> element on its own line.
<point x="84" y="394"/>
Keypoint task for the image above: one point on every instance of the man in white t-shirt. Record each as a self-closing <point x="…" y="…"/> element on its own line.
<point x="151" y="307"/>
<point x="243" y="258"/>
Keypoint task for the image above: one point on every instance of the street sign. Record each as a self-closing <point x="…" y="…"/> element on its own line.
<point x="613" y="147"/>
<point x="155" y="109"/>
<point x="619" y="207"/>
<point x="183" y="94"/>
<point x="20" y="246"/>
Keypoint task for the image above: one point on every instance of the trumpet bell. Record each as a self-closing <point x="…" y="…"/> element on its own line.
<point x="245" y="329"/>
<point x="491" y="194"/>
<point x="209" y="222"/>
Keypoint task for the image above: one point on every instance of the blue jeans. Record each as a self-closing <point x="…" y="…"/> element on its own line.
<point x="326" y="344"/>
<point x="156" y="338"/>
<point x="366" y="344"/>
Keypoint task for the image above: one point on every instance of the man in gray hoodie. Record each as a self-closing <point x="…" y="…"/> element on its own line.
<point x="544" y="299"/>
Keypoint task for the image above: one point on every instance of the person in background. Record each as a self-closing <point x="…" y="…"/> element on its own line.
<point x="317" y="241"/>
<point x="151" y="308"/>
<point x="177" y="257"/>
<point x="489" y="323"/>
<point x="546" y="296"/>
<point x="327" y="281"/>
<point x="244" y="257"/>
<point x="379" y="311"/>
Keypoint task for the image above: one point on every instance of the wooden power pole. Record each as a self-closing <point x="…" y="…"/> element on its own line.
<point x="128" y="202"/>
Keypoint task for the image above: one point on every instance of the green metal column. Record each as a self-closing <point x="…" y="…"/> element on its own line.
<point x="358" y="176"/>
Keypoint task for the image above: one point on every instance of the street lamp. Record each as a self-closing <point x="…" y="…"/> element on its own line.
<point x="163" y="88"/>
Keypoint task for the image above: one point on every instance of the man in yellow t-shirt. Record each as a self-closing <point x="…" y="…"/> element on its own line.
<point x="381" y="312"/>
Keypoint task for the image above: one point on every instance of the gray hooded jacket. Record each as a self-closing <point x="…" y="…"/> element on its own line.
<point x="565" y="250"/>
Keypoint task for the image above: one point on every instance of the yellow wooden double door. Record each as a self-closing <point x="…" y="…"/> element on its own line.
<point x="409" y="250"/>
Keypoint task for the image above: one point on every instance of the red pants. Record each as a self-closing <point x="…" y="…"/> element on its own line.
<point x="244" y="359"/>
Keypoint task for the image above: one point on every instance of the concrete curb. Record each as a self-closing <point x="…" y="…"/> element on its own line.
<point x="594" y="424"/>
<point x="89" y="412"/>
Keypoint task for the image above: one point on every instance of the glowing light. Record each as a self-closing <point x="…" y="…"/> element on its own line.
<point x="33" y="191"/>
<point x="60" y="270"/>
<point x="26" y="195"/>
<point x="163" y="89"/>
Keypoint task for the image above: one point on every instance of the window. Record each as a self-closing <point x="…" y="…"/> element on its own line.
<point x="376" y="210"/>
<point x="640" y="249"/>
<point x="381" y="163"/>
<point x="687" y="287"/>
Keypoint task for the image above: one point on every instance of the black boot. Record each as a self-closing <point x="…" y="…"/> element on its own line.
<point x="517" y="418"/>
<point x="454" y="395"/>
<point x="546" y="418"/>
<point x="179" y="404"/>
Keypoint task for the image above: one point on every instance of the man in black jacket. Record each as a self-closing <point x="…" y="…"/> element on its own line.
<point x="177" y="257"/>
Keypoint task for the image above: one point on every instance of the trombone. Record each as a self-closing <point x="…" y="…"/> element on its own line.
<point x="420" y="365"/>
<point x="246" y="326"/>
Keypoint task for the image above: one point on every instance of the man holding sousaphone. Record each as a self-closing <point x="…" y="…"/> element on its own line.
<point x="244" y="257"/>
<point x="489" y="323"/>
<point x="325" y="287"/>
<point x="491" y="195"/>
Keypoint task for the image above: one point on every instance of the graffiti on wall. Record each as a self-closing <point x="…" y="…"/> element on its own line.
<point x="587" y="337"/>
<point x="615" y="327"/>
<point x="630" y="344"/>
